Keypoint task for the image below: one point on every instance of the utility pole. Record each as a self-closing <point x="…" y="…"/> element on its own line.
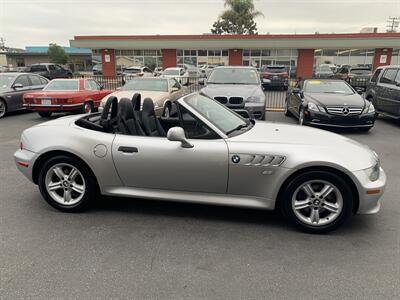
<point x="392" y="24"/>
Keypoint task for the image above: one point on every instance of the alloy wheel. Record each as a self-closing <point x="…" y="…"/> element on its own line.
<point x="3" y="108"/>
<point x="317" y="202"/>
<point x="65" y="184"/>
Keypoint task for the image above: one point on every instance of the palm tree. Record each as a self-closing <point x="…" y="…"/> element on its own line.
<point x="238" y="18"/>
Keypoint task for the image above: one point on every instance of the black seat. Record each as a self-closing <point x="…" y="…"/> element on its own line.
<point x="151" y="124"/>
<point x="109" y="116"/>
<point x="127" y="123"/>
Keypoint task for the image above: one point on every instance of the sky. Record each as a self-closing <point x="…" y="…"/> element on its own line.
<point x="40" y="22"/>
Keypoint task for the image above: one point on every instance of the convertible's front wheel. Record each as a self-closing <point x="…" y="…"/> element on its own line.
<point x="67" y="184"/>
<point x="317" y="201"/>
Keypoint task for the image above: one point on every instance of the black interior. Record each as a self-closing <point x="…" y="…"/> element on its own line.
<point x="125" y="117"/>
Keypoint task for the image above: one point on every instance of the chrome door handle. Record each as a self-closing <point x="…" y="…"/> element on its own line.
<point x="126" y="149"/>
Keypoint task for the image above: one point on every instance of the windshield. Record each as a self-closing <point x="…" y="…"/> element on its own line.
<point x="233" y="76"/>
<point x="360" y="71"/>
<point x="133" y="71"/>
<point x="322" y="86"/>
<point x="275" y="69"/>
<point x="6" y="80"/>
<point x="62" y="85"/>
<point x="219" y="115"/>
<point x="171" y="72"/>
<point x="157" y="85"/>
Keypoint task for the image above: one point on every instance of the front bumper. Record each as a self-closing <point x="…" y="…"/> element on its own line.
<point x="326" y="120"/>
<point x="54" y="107"/>
<point x="24" y="160"/>
<point x="369" y="202"/>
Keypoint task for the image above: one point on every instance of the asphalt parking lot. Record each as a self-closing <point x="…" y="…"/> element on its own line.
<point x="135" y="249"/>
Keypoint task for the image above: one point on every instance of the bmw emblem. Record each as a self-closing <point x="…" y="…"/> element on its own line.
<point x="235" y="159"/>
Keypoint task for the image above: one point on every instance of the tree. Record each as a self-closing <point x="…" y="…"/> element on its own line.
<point x="57" y="54"/>
<point x="237" y="19"/>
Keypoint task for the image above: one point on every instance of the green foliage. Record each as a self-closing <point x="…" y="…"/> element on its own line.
<point x="237" y="19"/>
<point x="57" y="54"/>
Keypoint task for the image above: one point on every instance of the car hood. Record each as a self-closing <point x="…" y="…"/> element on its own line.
<point x="300" y="144"/>
<point x="236" y="90"/>
<point x="335" y="99"/>
<point x="144" y="94"/>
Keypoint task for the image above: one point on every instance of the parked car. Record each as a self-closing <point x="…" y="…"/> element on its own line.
<point x="206" y="154"/>
<point x="12" y="88"/>
<point x="383" y="91"/>
<point x="356" y="76"/>
<point x="329" y="103"/>
<point x="191" y="70"/>
<point x="206" y="70"/>
<point x="66" y="95"/>
<point x="158" y="71"/>
<point x="163" y="92"/>
<point x="274" y="76"/>
<point x="239" y="88"/>
<point x="137" y="72"/>
<point x="180" y="74"/>
<point x="50" y="71"/>
<point x="97" y="69"/>
<point x="323" y="71"/>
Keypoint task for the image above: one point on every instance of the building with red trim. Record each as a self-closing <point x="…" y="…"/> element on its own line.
<point x="298" y="51"/>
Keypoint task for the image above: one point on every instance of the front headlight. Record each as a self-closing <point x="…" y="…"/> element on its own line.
<point x="369" y="109"/>
<point x="315" y="107"/>
<point x="257" y="99"/>
<point x="373" y="173"/>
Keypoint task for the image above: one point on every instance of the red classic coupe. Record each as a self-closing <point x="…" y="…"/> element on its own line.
<point x="66" y="95"/>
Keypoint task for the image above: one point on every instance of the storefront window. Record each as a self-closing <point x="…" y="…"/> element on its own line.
<point x="133" y="58"/>
<point x="341" y="57"/>
<point x="202" y="57"/>
<point x="395" y="57"/>
<point x="264" y="57"/>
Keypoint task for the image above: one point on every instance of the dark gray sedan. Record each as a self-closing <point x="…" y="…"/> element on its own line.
<point x="13" y="86"/>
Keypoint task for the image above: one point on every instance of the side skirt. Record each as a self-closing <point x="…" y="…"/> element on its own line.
<point x="181" y="196"/>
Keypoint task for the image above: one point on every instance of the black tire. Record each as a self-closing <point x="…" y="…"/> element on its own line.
<point x="90" y="189"/>
<point x="88" y="107"/>
<point x="167" y="110"/>
<point x="3" y="108"/>
<point x="45" y="114"/>
<point x="332" y="178"/>
<point x="301" y="116"/>
<point x="287" y="112"/>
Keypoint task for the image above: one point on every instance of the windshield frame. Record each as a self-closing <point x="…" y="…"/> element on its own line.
<point x="339" y="81"/>
<point x="63" y="80"/>
<point x="145" y="79"/>
<point x="234" y="68"/>
<point x="223" y="134"/>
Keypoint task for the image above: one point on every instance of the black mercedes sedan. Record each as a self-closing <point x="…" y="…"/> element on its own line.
<point x="329" y="103"/>
<point x="13" y="86"/>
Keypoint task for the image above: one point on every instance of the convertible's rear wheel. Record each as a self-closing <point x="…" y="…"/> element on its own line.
<point x="317" y="201"/>
<point x="67" y="184"/>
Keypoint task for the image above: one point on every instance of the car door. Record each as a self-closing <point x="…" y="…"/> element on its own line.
<point x="156" y="163"/>
<point x="395" y="94"/>
<point x="14" y="98"/>
<point x="37" y="83"/>
<point x="386" y="91"/>
<point x="295" y="100"/>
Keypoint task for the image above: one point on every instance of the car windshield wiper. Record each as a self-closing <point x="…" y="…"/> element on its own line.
<point x="240" y="126"/>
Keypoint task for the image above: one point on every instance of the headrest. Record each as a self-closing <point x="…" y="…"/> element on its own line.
<point x="148" y="107"/>
<point x="125" y="109"/>
<point x="136" y="101"/>
<point x="111" y="103"/>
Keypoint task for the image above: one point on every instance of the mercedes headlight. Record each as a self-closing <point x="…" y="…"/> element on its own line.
<point x="369" y="109"/>
<point x="258" y="99"/>
<point x="315" y="107"/>
<point x="373" y="173"/>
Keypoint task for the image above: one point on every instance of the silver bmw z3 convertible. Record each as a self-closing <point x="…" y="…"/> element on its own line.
<point x="203" y="153"/>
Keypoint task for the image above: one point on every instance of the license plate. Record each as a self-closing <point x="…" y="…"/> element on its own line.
<point x="46" y="102"/>
<point x="266" y="80"/>
<point x="275" y="77"/>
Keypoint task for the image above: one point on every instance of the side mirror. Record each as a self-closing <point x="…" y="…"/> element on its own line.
<point x="298" y="91"/>
<point x="177" y="134"/>
<point x="18" y="86"/>
<point x="101" y="87"/>
<point x="174" y="89"/>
